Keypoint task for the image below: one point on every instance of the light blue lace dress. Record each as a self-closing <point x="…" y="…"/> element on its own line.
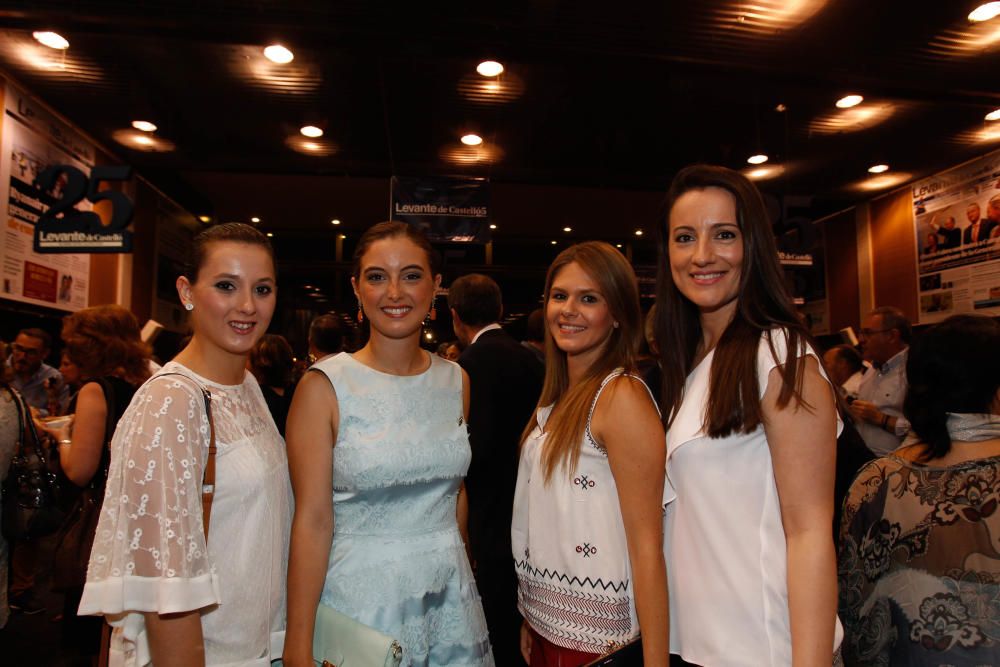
<point x="398" y="563"/>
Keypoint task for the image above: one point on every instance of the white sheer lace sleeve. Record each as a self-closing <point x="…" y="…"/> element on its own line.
<point x="150" y="552"/>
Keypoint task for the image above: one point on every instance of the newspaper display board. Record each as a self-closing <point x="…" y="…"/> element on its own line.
<point x="33" y="139"/>
<point x="957" y="218"/>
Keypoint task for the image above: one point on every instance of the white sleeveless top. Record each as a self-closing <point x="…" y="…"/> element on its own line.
<point x="724" y="541"/>
<point x="568" y="541"/>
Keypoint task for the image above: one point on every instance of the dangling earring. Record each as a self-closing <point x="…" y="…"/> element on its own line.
<point x="432" y="314"/>
<point x="615" y="325"/>
<point x="361" y="313"/>
<point x="189" y="306"/>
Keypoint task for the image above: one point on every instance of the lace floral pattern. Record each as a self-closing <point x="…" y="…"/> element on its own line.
<point x="919" y="564"/>
<point x="397" y="561"/>
<point x="150" y="551"/>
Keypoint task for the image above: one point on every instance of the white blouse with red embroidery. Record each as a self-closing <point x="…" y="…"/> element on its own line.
<point x="568" y="541"/>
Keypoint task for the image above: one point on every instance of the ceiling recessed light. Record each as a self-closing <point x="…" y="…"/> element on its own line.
<point x="493" y="226"/>
<point x="781" y="108"/>
<point x="144" y="125"/>
<point x="53" y="40"/>
<point x="553" y="242"/>
<point x="335" y="222"/>
<point x="567" y="229"/>
<point x="618" y="245"/>
<point x="985" y="12"/>
<point x="342" y="236"/>
<point x="760" y="158"/>
<point x="472" y="140"/>
<point x="878" y="168"/>
<point x="993" y="115"/>
<point x="270" y="234"/>
<point x="204" y="218"/>
<point x="311" y="131"/>
<point x="489" y="68"/>
<point x="849" y="101"/>
<point x="255" y="220"/>
<point x="638" y="232"/>
<point x="276" y="53"/>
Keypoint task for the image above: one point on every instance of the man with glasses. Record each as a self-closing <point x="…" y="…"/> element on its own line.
<point x="31" y="373"/>
<point x="878" y="410"/>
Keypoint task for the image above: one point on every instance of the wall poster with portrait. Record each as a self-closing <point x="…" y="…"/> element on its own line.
<point x="957" y="218"/>
<point x="31" y="139"/>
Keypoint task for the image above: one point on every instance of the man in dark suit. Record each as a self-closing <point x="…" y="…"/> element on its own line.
<point x="978" y="229"/>
<point x="506" y="381"/>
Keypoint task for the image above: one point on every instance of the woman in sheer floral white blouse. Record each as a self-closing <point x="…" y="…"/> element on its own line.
<point x="172" y="597"/>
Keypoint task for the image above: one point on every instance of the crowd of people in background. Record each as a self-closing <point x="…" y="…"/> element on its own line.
<point x="672" y="475"/>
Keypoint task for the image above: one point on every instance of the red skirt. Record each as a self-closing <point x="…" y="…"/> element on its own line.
<point x="546" y="654"/>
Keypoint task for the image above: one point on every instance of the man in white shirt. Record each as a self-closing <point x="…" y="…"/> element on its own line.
<point x="878" y="410"/>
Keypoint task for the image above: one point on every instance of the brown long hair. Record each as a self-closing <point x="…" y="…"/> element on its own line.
<point x="763" y="304"/>
<point x="571" y="404"/>
<point x="105" y="340"/>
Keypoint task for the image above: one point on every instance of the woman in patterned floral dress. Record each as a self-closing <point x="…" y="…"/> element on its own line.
<point x="920" y="537"/>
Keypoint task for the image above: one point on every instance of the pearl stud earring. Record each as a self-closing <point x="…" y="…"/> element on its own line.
<point x="189" y="306"/>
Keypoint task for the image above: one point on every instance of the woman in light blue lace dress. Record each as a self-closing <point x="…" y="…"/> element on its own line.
<point x="384" y="428"/>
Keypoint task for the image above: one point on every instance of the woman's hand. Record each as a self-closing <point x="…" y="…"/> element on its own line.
<point x="526" y="641"/>
<point x="62" y="433"/>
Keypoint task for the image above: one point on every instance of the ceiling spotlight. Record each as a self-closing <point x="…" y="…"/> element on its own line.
<point x="567" y="229"/>
<point x="493" y="226"/>
<point x="335" y="222"/>
<point x="760" y="158"/>
<point x="276" y="53"/>
<point x="311" y="131"/>
<point x="553" y="242"/>
<point x="878" y="168"/>
<point x="342" y="236"/>
<point x="255" y="220"/>
<point x="618" y="245"/>
<point x="270" y="234"/>
<point x="993" y="115"/>
<point x="472" y="140"/>
<point x="781" y="108"/>
<point x="144" y="125"/>
<point x="638" y="232"/>
<point x="985" y="12"/>
<point x="849" y="101"/>
<point x="53" y="40"/>
<point x="204" y="218"/>
<point x="489" y="68"/>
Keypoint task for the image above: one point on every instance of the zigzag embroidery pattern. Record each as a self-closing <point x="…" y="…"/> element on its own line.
<point x="576" y="610"/>
<point x="525" y="566"/>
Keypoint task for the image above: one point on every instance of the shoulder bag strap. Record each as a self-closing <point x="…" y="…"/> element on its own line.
<point x="208" y="475"/>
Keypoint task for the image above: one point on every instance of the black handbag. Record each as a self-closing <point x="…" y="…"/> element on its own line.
<point x="31" y="490"/>
<point x="627" y="655"/>
<point x="76" y="535"/>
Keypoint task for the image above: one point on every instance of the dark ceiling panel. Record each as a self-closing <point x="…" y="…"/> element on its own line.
<point x="596" y="94"/>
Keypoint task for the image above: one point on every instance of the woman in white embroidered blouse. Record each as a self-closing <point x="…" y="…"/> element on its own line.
<point x="172" y="598"/>
<point x="588" y="514"/>
<point x="751" y="438"/>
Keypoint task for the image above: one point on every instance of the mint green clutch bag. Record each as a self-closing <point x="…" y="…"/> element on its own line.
<point x="340" y="641"/>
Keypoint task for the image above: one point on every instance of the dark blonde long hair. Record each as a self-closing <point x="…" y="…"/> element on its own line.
<point x="571" y="404"/>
